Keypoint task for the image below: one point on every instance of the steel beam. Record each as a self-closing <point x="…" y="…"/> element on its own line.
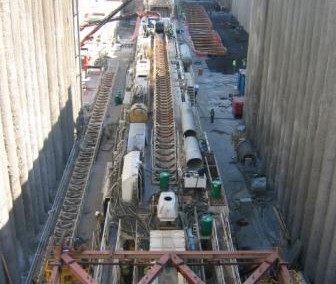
<point x="187" y="273"/>
<point x="265" y="266"/>
<point x="212" y="255"/>
<point x="155" y="270"/>
<point x="77" y="270"/>
<point x="264" y="259"/>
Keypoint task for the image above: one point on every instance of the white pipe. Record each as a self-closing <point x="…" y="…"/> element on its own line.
<point x="192" y="152"/>
<point x="188" y="123"/>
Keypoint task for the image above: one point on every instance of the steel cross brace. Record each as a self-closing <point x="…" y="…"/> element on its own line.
<point x="77" y="270"/>
<point x="177" y="262"/>
<point x="270" y="258"/>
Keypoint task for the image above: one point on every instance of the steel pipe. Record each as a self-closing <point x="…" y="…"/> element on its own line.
<point x="192" y="152"/>
<point x="188" y="122"/>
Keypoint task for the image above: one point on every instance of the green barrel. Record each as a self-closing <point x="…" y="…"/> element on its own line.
<point x="215" y="191"/>
<point x="125" y="270"/>
<point x="117" y="98"/>
<point x="164" y="180"/>
<point x="206" y="225"/>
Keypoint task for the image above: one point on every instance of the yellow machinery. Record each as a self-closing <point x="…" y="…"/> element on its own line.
<point x="138" y="113"/>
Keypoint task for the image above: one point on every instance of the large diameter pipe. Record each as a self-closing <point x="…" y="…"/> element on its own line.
<point x="192" y="152"/>
<point x="188" y="122"/>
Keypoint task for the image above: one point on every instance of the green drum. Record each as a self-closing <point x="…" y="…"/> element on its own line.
<point x="164" y="180"/>
<point x="215" y="191"/>
<point x="206" y="225"/>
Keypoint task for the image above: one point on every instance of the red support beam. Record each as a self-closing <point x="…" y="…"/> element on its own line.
<point x="210" y="255"/>
<point x="284" y="275"/>
<point x="155" y="270"/>
<point x="265" y="266"/>
<point x="265" y="260"/>
<point x="77" y="270"/>
<point x="187" y="273"/>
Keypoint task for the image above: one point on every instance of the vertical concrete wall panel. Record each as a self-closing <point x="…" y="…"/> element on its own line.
<point x="20" y="114"/>
<point x="319" y="129"/>
<point x="34" y="113"/>
<point x="60" y="65"/>
<point x="296" y="99"/>
<point x="41" y="95"/>
<point x="279" y="104"/>
<point x="327" y="107"/>
<point x="290" y="98"/>
<point x="27" y="120"/>
<point x="51" y="59"/>
<point x="303" y="162"/>
<point x="259" y="10"/>
<point x="7" y="228"/>
<point x="290" y="114"/>
<point x="241" y="10"/>
<point x="48" y="145"/>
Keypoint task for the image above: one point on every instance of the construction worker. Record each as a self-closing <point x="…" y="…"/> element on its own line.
<point x="234" y="64"/>
<point x="212" y="115"/>
<point x="196" y="91"/>
<point x="244" y="62"/>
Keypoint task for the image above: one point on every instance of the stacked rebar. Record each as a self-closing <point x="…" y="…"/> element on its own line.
<point x="164" y="142"/>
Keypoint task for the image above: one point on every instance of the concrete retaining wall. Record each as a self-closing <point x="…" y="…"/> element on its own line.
<point x="39" y="104"/>
<point x="290" y="113"/>
<point x="240" y="9"/>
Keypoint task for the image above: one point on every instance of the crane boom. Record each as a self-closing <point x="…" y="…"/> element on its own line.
<point x="104" y="21"/>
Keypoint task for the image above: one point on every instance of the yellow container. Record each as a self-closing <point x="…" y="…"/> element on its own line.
<point x="138" y="114"/>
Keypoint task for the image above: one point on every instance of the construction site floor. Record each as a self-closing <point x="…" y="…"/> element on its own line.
<point x="254" y="224"/>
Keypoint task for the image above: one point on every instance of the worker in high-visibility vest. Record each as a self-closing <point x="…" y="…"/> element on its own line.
<point x="234" y="64"/>
<point x="85" y="62"/>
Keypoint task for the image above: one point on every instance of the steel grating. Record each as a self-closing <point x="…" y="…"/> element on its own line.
<point x="164" y="142"/>
<point x="205" y="40"/>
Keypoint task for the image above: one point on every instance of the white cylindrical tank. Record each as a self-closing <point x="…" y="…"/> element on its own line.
<point x="130" y="175"/>
<point x="167" y="209"/>
<point x="192" y="152"/>
<point x="188" y="122"/>
<point x="185" y="55"/>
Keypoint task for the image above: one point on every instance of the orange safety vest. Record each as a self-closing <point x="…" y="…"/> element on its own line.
<point x="85" y="61"/>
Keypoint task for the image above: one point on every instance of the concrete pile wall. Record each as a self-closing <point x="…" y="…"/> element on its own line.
<point x="39" y="104"/>
<point x="290" y="113"/>
<point x="240" y="9"/>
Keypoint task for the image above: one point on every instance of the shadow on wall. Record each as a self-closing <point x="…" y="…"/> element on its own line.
<point x="19" y="238"/>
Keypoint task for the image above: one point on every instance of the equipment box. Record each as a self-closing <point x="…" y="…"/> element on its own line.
<point x="237" y="107"/>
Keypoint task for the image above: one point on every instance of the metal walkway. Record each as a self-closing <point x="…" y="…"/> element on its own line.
<point x="204" y="39"/>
